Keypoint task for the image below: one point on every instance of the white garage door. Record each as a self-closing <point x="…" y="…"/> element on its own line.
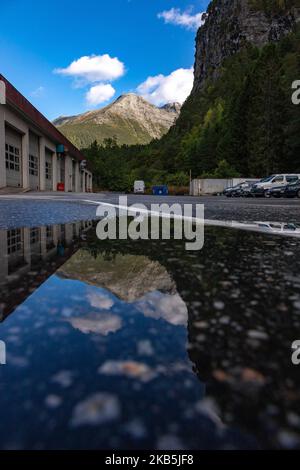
<point x="34" y="161"/>
<point x="13" y="157"/>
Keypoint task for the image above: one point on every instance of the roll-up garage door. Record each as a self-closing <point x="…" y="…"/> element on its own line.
<point x="49" y="170"/>
<point x="34" y="161"/>
<point x="13" y="157"/>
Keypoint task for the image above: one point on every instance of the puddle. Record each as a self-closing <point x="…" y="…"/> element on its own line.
<point x="134" y="345"/>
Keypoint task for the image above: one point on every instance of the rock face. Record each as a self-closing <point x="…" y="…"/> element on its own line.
<point x="231" y="24"/>
<point x="131" y="119"/>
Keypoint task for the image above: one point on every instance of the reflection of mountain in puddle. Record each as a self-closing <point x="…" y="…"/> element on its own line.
<point x="136" y="280"/>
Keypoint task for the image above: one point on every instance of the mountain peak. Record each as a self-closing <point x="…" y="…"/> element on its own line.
<point x="131" y="118"/>
<point x="130" y="99"/>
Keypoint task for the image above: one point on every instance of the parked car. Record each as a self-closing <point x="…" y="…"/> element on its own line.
<point x="279" y="180"/>
<point x="139" y="187"/>
<point x="246" y="189"/>
<point x="230" y="192"/>
<point x="277" y="191"/>
<point x="239" y="190"/>
<point x="293" y="190"/>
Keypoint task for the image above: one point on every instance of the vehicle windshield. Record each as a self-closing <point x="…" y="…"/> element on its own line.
<point x="265" y="180"/>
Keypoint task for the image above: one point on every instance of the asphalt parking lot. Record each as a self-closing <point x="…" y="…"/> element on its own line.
<point x="32" y="208"/>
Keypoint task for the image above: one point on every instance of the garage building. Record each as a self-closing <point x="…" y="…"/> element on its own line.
<point x="34" y="155"/>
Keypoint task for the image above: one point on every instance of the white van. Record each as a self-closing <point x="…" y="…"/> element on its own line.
<point x="274" y="181"/>
<point x="139" y="187"/>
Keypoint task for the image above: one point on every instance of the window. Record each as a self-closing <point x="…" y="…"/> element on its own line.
<point x="12" y="158"/>
<point x="49" y="231"/>
<point x="49" y="237"/>
<point x="33" y="165"/>
<point x="63" y="231"/>
<point x="291" y="178"/>
<point x="34" y="236"/>
<point x="14" y="241"/>
<point x="278" y="179"/>
<point x="48" y="167"/>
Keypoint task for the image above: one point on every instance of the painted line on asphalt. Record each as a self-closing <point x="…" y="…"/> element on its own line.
<point x="258" y="227"/>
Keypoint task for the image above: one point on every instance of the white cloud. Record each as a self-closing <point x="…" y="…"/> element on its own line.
<point x="38" y="93"/>
<point x="94" y="68"/>
<point x="163" y="89"/>
<point x="185" y="19"/>
<point x="99" y="94"/>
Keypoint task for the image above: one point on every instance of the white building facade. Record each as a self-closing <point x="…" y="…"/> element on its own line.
<point x="34" y="155"/>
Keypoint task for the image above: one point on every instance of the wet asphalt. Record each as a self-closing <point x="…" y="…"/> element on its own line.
<point x="32" y="209"/>
<point x="242" y="298"/>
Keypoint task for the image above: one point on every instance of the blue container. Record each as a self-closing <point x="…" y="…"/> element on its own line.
<point x="160" y="190"/>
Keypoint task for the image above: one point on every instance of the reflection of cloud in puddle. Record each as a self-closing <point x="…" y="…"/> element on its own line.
<point x="132" y="369"/>
<point x="17" y="361"/>
<point x="136" y="429"/>
<point x="64" y="378"/>
<point x="53" y="401"/>
<point x="102" y="324"/>
<point x="145" y="348"/>
<point x="96" y="409"/>
<point x="167" y="306"/>
<point x="99" y="300"/>
<point x="170" y="442"/>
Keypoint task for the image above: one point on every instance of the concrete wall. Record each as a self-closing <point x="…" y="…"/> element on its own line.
<point x="200" y="187"/>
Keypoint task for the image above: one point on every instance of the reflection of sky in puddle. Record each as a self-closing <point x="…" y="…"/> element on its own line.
<point x="79" y="357"/>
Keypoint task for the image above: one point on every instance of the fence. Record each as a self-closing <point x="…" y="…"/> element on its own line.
<point x="199" y="187"/>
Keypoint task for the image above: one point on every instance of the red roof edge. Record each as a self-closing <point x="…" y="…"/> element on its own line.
<point x="15" y="98"/>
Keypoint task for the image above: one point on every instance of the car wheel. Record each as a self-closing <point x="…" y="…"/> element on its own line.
<point x="298" y="194"/>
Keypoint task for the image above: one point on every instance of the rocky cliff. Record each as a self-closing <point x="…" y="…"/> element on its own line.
<point x="231" y="24"/>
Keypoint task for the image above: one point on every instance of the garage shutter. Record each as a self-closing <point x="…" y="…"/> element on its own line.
<point x="34" y="161"/>
<point x="13" y="157"/>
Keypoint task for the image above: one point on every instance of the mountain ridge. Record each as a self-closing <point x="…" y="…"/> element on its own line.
<point x="130" y="118"/>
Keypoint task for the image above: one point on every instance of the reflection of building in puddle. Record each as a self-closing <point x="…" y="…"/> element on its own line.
<point x="43" y="249"/>
<point x="137" y="280"/>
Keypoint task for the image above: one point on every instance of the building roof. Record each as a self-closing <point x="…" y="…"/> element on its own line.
<point x="15" y="99"/>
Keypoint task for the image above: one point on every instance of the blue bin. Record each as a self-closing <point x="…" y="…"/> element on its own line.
<point x="160" y="190"/>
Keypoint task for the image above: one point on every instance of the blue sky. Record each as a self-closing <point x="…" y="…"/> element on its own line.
<point x="68" y="56"/>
